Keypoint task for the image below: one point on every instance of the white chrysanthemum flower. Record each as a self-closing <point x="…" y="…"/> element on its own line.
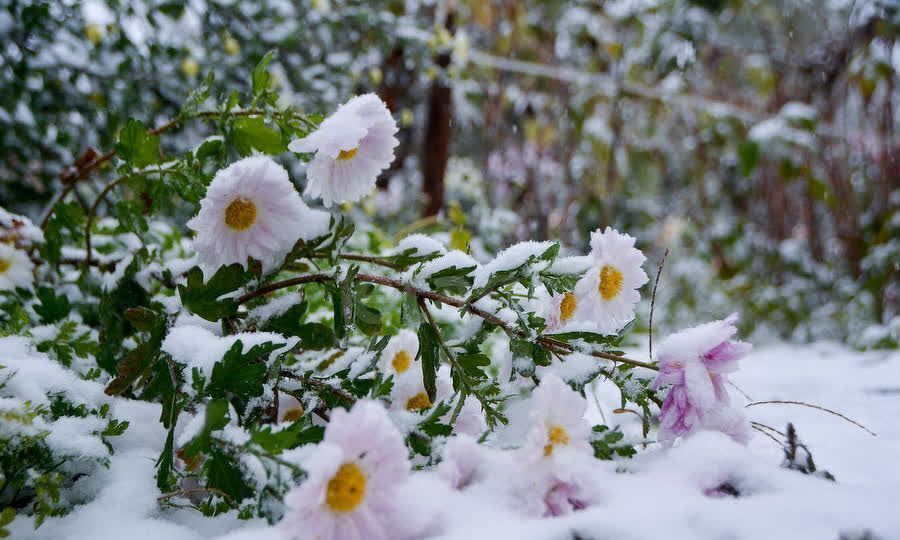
<point x="607" y="293"/>
<point x="558" y="423"/>
<point x="352" y="147"/>
<point x="15" y="269"/>
<point x="408" y="392"/>
<point x="399" y="355"/>
<point x="352" y="477"/>
<point x="251" y="209"/>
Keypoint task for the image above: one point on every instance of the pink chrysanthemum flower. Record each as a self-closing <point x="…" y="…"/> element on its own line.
<point x="564" y="497"/>
<point x="558" y="422"/>
<point x="352" y="147"/>
<point x="15" y="269"/>
<point x="352" y="477"/>
<point x="695" y="362"/>
<point x="251" y="209"/>
<point x="607" y="293"/>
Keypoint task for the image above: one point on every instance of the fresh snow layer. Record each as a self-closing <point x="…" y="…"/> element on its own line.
<point x="661" y="494"/>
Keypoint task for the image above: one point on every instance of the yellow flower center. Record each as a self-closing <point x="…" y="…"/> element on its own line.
<point x="556" y="436"/>
<point x="4" y="265"/>
<point x="401" y="361"/>
<point x="346" y="488"/>
<point x="240" y="214"/>
<point x="418" y="402"/>
<point x="567" y="306"/>
<point x="348" y="154"/>
<point x="292" y="415"/>
<point x="610" y="282"/>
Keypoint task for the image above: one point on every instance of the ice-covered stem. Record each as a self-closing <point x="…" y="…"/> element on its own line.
<point x="547" y="342"/>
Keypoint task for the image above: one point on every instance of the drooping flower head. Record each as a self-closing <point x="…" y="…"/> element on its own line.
<point x="251" y="209"/>
<point x="15" y="269"/>
<point x="352" y="477"/>
<point x="557" y="420"/>
<point x="608" y="292"/>
<point x="695" y="362"/>
<point x="564" y="497"/>
<point x="399" y="355"/>
<point x="352" y="147"/>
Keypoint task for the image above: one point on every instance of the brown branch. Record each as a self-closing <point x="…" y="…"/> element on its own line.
<point x="546" y="341"/>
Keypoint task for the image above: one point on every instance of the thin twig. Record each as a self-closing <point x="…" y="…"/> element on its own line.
<point x="659" y="270"/>
<point x="348" y="398"/>
<point x="769" y="435"/>
<point x="819" y="407"/>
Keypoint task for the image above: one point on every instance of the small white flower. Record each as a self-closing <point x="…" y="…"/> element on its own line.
<point x="408" y="392"/>
<point x="352" y="477"/>
<point x="400" y="354"/>
<point x="607" y="293"/>
<point x="251" y="209"/>
<point x="352" y="147"/>
<point x="558" y="423"/>
<point x="15" y="269"/>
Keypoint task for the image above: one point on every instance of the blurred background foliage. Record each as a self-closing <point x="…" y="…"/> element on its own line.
<point x="756" y="140"/>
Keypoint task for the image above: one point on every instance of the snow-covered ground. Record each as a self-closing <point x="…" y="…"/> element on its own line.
<point x="660" y="493"/>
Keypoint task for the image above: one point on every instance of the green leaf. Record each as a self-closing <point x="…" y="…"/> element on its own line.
<point x="451" y="280"/>
<point x="215" y="418"/>
<point x="251" y="133"/>
<point x="197" y="96"/>
<point x="204" y="298"/>
<point x="240" y="376"/>
<point x="748" y="157"/>
<point x="136" y="145"/>
<point x="52" y="308"/>
<point x="429" y="355"/>
<point x="261" y="75"/>
<point x="296" y="434"/>
<point x="165" y="462"/>
<point x="315" y="336"/>
<point x="130" y="368"/>
<point x="473" y="364"/>
<point x="367" y="319"/>
<point x="223" y="473"/>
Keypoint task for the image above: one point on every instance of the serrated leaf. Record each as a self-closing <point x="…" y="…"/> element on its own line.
<point x="261" y="77"/>
<point x="204" y="298"/>
<point x="251" y="133"/>
<point x="52" y="308"/>
<point x="136" y="145"/>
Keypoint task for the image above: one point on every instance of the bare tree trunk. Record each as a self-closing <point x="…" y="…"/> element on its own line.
<point x="436" y="149"/>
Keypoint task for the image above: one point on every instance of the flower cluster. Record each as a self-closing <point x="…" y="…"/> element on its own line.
<point x="695" y="362"/>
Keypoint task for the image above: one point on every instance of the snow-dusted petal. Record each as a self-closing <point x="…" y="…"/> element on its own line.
<point x="352" y="477"/>
<point x="251" y="209"/>
<point x="15" y="269"/>
<point x="557" y="421"/>
<point x="607" y="292"/>
<point x="352" y="147"/>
